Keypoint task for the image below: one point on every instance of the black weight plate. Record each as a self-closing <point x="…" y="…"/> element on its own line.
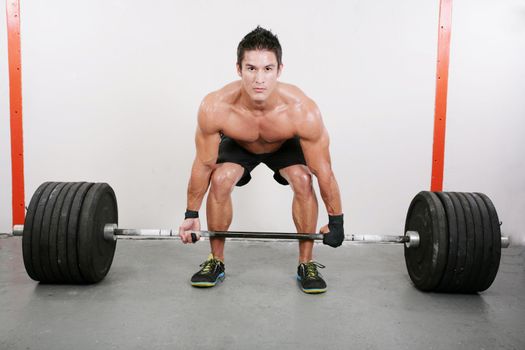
<point x="446" y="283"/>
<point x="72" y="233"/>
<point x="95" y="253"/>
<point x="28" y="231"/>
<point x="478" y="244"/>
<point x="426" y="263"/>
<point x="461" y="259"/>
<point x="496" y="239"/>
<point x="54" y="233"/>
<point x="62" y="248"/>
<point x="35" y="232"/>
<point x="487" y="241"/>
<point x="471" y="243"/>
<point x="45" y="234"/>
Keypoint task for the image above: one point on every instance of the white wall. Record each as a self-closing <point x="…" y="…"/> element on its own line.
<point x="5" y="143"/>
<point x="485" y="148"/>
<point x="111" y="90"/>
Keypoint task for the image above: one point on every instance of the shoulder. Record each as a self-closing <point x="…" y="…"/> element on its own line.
<point x="303" y="111"/>
<point x="222" y="98"/>
<point x="299" y="104"/>
<point x="216" y="105"/>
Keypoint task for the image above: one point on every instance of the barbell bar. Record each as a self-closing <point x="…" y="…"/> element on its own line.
<point x="112" y="232"/>
<point x="452" y="241"/>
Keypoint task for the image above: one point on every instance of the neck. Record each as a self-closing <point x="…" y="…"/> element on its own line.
<point x="260" y="106"/>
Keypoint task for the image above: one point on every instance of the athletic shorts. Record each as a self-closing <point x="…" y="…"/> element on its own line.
<point x="290" y="153"/>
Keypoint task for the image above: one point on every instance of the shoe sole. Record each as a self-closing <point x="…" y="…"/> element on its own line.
<point x="312" y="290"/>
<point x="220" y="278"/>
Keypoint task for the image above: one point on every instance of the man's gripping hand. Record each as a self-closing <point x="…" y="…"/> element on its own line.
<point x="334" y="232"/>
<point x="189" y="225"/>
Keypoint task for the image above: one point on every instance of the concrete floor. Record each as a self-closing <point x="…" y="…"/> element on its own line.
<point x="146" y="302"/>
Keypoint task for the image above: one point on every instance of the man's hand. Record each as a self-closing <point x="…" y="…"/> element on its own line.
<point x="189" y="225"/>
<point x="334" y="232"/>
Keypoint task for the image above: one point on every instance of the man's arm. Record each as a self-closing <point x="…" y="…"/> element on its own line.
<point x="207" y="140"/>
<point x="315" y="144"/>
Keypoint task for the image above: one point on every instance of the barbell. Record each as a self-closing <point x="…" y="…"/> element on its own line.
<point x="452" y="241"/>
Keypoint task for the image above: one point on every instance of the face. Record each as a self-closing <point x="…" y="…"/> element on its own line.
<point x="259" y="73"/>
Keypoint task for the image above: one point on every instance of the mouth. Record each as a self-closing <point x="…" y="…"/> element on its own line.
<point x="259" y="90"/>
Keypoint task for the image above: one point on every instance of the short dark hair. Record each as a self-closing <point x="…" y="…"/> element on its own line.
<point x="260" y="39"/>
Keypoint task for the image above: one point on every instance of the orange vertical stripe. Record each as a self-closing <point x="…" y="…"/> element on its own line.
<point x="15" y="99"/>
<point x="440" y="113"/>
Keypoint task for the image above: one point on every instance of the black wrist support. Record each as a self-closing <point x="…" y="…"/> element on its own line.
<point x="191" y="214"/>
<point x="336" y="236"/>
<point x="335" y="219"/>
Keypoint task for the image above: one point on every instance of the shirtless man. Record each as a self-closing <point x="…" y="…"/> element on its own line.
<point x="253" y="120"/>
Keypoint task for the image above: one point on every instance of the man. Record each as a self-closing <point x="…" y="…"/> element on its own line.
<point x="254" y="120"/>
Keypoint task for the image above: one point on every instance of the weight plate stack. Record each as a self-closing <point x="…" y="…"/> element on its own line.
<point x="487" y="241"/>
<point x="478" y="244"/>
<point x="62" y="231"/>
<point x="40" y="267"/>
<point x="461" y="259"/>
<point x="95" y="253"/>
<point x="28" y="230"/>
<point x="46" y="234"/>
<point x="63" y="238"/>
<point x="474" y="246"/>
<point x="427" y="262"/>
<point x="53" y="233"/>
<point x="471" y="242"/>
<point x="72" y="233"/>
<point x="447" y="285"/>
<point x="495" y="250"/>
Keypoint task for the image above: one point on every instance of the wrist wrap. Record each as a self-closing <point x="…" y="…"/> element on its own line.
<point x="191" y="214"/>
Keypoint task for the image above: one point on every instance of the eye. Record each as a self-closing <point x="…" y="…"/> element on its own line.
<point x="269" y="68"/>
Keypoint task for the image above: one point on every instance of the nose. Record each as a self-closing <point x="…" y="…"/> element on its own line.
<point x="259" y="77"/>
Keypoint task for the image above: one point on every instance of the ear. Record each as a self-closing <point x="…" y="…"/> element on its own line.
<point x="239" y="71"/>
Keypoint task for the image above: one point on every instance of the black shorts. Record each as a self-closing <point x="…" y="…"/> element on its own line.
<point x="290" y="153"/>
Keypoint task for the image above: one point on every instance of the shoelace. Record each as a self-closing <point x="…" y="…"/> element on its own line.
<point x="208" y="265"/>
<point x="311" y="269"/>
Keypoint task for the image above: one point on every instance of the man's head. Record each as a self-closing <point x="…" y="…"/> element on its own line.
<point x="259" y="63"/>
<point x="259" y="39"/>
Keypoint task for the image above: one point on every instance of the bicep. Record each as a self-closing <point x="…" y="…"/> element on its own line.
<point x="207" y="136"/>
<point x="315" y="140"/>
<point x="207" y="146"/>
<point x="317" y="153"/>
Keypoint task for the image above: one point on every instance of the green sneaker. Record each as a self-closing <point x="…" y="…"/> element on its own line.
<point x="211" y="272"/>
<point x="310" y="279"/>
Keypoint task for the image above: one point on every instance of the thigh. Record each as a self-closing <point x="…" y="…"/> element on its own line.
<point x="231" y="152"/>
<point x="288" y="155"/>
<point x="298" y="176"/>
<point x="227" y="174"/>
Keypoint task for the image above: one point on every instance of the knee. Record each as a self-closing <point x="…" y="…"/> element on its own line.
<point x="222" y="182"/>
<point x="301" y="182"/>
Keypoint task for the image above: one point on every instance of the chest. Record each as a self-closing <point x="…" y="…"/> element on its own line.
<point x="271" y="127"/>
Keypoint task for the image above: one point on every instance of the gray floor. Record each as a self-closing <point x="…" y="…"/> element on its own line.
<point x="146" y="302"/>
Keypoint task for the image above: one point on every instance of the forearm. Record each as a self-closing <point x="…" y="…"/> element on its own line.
<point x="330" y="192"/>
<point x="198" y="184"/>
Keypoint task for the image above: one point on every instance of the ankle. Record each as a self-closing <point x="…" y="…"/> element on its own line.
<point x="218" y="257"/>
